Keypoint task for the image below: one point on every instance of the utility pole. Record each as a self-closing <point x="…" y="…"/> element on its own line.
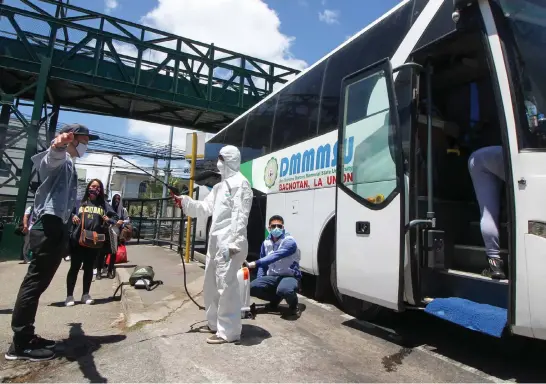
<point x="109" y="181"/>
<point x="167" y="172"/>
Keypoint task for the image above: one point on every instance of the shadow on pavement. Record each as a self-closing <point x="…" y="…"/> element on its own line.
<point x="252" y="335"/>
<point x="103" y="300"/>
<point x="505" y="358"/>
<point x="80" y="347"/>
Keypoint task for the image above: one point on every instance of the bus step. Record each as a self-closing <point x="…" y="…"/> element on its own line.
<point x="470" y="286"/>
<point x="478" y="317"/>
<point x="471" y="258"/>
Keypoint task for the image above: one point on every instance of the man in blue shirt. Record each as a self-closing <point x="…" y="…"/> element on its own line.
<point x="53" y="203"/>
<point x="278" y="269"/>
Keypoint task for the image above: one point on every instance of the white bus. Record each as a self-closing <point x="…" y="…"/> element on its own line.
<point x="382" y="224"/>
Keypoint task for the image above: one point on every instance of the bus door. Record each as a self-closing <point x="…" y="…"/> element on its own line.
<point x="517" y="53"/>
<point x="370" y="189"/>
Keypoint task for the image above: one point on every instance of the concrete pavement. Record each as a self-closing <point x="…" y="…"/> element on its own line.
<point x="83" y="329"/>
<point x="324" y="345"/>
<point x="145" y="306"/>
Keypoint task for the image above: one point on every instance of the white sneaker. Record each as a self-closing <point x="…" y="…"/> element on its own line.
<point x="67" y="258"/>
<point x="95" y="271"/>
<point x="69" y="302"/>
<point x="87" y="299"/>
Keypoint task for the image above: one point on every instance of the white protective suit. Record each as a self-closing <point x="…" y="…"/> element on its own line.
<point x="229" y="204"/>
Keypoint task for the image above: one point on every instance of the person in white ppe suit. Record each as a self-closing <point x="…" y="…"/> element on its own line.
<point x="229" y="203"/>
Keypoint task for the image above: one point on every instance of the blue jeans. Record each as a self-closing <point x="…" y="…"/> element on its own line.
<point x="276" y="288"/>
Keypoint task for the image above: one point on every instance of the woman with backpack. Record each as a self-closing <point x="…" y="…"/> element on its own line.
<point x="88" y="238"/>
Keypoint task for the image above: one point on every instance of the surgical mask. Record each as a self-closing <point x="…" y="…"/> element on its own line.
<point x="221" y="166"/>
<point x="93" y="192"/>
<point x="81" y="148"/>
<point x="277" y="232"/>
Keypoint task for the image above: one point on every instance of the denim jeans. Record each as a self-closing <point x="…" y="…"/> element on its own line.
<point x="276" y="288"/>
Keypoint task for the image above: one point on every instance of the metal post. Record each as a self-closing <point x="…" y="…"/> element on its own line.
<point x="194" y="230"/>
<point x="140" y="222"/>
<point x="430" y="191"/>
<point x="190" y="193"/>
<point x="4" y="123"/>
<point x="109" y="180"/>
<point x="50" y="134"/>
<point x="11" y="243"/>
<point x="167" y="172"/>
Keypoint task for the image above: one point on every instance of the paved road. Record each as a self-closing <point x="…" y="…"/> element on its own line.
<point x="324" y="345"/>
<point x="83" y="328"/>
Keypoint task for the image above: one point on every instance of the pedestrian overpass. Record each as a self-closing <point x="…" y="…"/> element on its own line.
<point x="55" y="56"/>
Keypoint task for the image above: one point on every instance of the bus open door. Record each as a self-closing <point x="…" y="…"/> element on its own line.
<point x="370" y="190"/>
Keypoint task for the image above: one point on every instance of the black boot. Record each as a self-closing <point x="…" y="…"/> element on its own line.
<point x="99" y="274"/>
<point x="496" y="268"/>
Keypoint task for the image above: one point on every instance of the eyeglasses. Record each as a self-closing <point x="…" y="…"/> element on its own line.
<point x="273" y="226"/>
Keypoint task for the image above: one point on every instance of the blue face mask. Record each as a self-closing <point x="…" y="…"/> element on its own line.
<point x="277" y="232"/>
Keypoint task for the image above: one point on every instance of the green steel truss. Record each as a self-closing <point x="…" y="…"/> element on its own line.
<point x="110" y="66"/>
<point x="63" y="57"/>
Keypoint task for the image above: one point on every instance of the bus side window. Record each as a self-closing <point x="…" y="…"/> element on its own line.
<point x="257" y="135"/>
<point x="374" y="45"/>
<point x="234" y="135"/>
<point x="368" y="129"/>
<point x="296" y="118"/>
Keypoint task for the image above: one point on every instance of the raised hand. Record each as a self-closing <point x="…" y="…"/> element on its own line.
<point x="63" y="139"/>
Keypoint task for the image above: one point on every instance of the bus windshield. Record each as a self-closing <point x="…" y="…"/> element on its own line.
<point x="527" y="21"/>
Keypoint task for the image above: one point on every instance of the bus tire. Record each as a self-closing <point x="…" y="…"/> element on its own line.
<point x="358" y="308"/>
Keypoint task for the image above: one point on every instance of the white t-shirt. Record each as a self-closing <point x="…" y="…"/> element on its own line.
<point x="30" y="219"/>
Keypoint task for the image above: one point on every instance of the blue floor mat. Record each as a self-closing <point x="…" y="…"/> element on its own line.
<point x="477" y="317"/>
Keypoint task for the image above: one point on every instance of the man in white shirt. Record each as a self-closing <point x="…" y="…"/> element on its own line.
<point x="27" y="225"/>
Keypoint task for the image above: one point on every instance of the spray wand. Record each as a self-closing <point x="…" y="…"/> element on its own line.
<point x="175" y="192"/>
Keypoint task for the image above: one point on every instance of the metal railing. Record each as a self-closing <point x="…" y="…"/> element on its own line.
<point x="159" y="222"/>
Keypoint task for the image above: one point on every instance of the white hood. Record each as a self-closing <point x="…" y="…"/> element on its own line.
<point x="232" y="160"/>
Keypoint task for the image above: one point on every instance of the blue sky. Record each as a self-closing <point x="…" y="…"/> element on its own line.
<point x="293" y="32"/>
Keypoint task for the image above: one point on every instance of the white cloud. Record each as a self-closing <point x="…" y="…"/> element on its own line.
<point x="329" y="16"/>
<point x="249" y="27"/>
<point x="110" y="5"/>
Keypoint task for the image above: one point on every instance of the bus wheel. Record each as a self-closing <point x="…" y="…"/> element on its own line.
<point x="360" y="309"/>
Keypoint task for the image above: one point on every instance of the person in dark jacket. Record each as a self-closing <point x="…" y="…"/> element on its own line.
<point x="123" y="220"/>
<point x="93" y="214"/>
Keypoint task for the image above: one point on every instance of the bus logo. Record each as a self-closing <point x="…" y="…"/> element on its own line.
<point x="270" y="172"/>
